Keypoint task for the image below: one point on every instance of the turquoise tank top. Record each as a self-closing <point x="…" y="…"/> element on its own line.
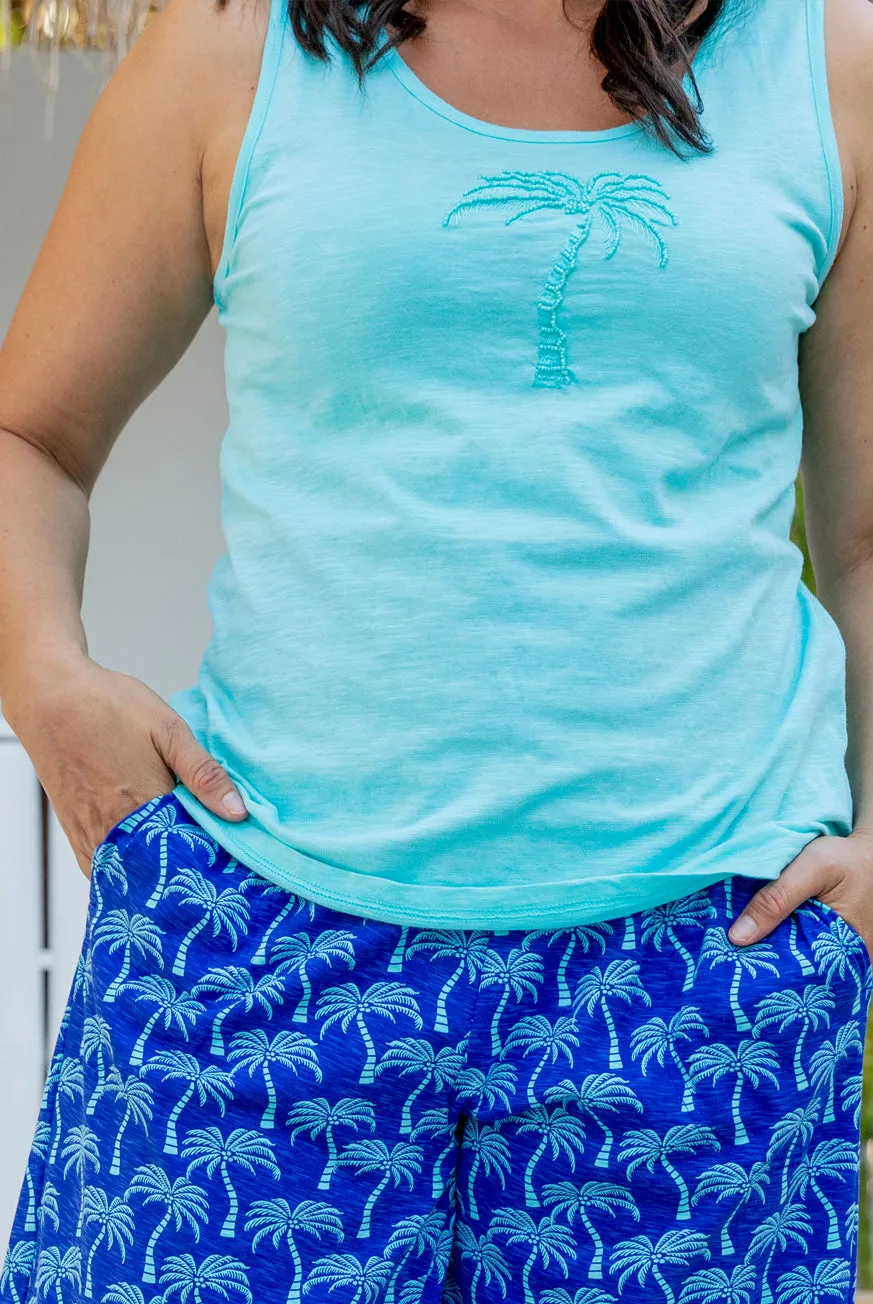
<point x="509" y="632"/>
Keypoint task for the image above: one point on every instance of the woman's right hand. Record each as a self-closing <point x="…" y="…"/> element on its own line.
<point x="103" y="744"/>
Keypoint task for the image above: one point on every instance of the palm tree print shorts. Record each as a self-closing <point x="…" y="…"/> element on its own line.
<point x="257" y="1100"/>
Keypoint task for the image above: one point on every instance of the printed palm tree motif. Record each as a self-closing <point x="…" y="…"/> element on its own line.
<point x="227" y="911"/>
<point x="633" y="201"/>
<point x="409" y="1055"/>
<point x="797" y="1126"/>
<point x="661" y="922"/>
<point x="732" y="1182"/>
<point x="123" y="1293"/>
<point x="712" y="1286"/>
<point x="751" y="1061"/>
<point x="107" y="864"/>
<point x="66" y="1079"/>
<point x="490" y="1261"/>
<point x="278" y="1221"/>
<point x="174" y="1009"/>
<point x="395" y="964"/>
<point x="831" y="1280"/>
<point x="470" y="949"/>
<point x="536" y="1034"/>
<point x="96" y="1045"/>
<point x="180" y="1201"/>
<point x="639" y="1258"/>
<point x="402" y="1163"/>
<point x="719" y="949"/>
<point x="47" y="1213"/>
<point x="851" y="1227"/>
<point x="586" y="936"/>
<point x="825" y="1063"/>
<point x="851" y="1096"/>
<point x="830" y="1160"/>
<point x="219" y="1274"/>
<point x="54" y="1270"/>
<point x="313" y="1117"/>
<point x="619" y="982"/>
<point x="547" y="1241"/>
<point x="585" y="1295"/>
<point x="411" y="1237"/>
<point x="131" y="935"/>
<point x="238" y="990"/>
<point x="296" y="954"/>
<point x="291" y="906"/>
<point x="491" y="1152"/>
<point x="599" y="1093"/>
<point x="80" y="1152"/>
<point x="209" y="1082"/>
<point x="347" y="1004"/>
<point x="811" y="1008"/>
<point x="164" y="825"/>
<point x="436" y="1123"/>
<point x="518" y="973"/>
<point x="115" y="1221"/>
<point x="255" y="1052"/>
<point x="840" y="953"/>
<point x="345" y="1272"/>
<point x="789" y="1225"/>
<point x="139" y="1100"/>
<point x="645" y="1147"/>
<point x="805" y="967"/>
<point x="658" y="1039"/>
<point x="594" y="1197"/>
<point x="19" y="1262"/>
<point x="39" y="1150"/>
<point x="206" y="1147"/>
<point x="487" y="1089"/>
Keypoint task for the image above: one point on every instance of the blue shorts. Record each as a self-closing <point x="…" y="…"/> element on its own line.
<point x="258" y="1100"/>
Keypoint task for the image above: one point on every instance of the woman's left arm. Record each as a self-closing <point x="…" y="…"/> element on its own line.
<point x="836" y="367"/>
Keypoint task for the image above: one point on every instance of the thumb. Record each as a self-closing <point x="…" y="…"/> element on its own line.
<point x="199" y="771"/>
<point x="774" y="902"/>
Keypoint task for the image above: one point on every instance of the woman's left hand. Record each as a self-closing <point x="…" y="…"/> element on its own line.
<point x="838" y="871"/>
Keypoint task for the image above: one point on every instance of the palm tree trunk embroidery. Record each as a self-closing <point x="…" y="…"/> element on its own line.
<point x="617" y="201"/>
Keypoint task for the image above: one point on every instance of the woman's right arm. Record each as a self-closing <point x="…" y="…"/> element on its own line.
<point x="121" y="286"/>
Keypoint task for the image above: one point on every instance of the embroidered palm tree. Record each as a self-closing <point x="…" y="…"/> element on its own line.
<point x="825" y="1063"/>
<point x="38" y="1151"/>
<point x="227" y="911"/>
<point x="55" y="1270"/>
<point x="734" y="1183"/>
<point x="469" y="949"/>
<point x="491" y="1263"/>
<point x="115" y="1223"/>
<point x="490" y="1152"/>
<point x="811" y="1008"/>
<point x="751" y="1061"/>
<point x="789" y="1225"/>
<point x="402" y="1163"/>
<point x="719" y="949"/>
<point x="345" y="1272"/>
<point x="96" y="1045"/>
<point x="107" y="864"/>
<point x="436" y="1123"/>
<point x="547" y="1242"/>
<point x="65" y="1081"/>
<point x="138" y="1100"/>
<point x="19" y="1262"/>
<point x="180" y="1201"/>
<point x="409" y="1055"/>
<point x="640" y="1258"/>
<point x="713" y="1286"/>
<point x="347" y="1004"/>
<point x="487" y="1089"/>
<point x="219" y="1274"/>
<point x="585" y="936"/>
<point x="519" y="973"/>
<point x="644" y="1147"/>
<point x="237" y="989"/>
<point x="131" y="935"/>
<point x="619" y="982"/>
<point x="243" y="1149"/>
<point x="410" y="1238"/>
<point x="657" y="1039"/>
<point x="840" y="953"/>
<point x="830" y="1160"/>
<point x="539" y="1036"/>
<point x="317" y="1117"/>
<point x="581" y="1201"/>
<point x="298" y="954"/>
<point x="830" y="1280"/>
<point x="164" y="825"/>
<point x="660" y="926"/>
<point x="291" y="905"/>
<point x="598" y="1094"/>
<point x="209" y="1082"/>
<point x="276" y="1220"/>
<point x="795" y="1128"/>
<point x="257" y="1053"/>
<point x="618" y="202"/>
<point x="178" y="1010"/>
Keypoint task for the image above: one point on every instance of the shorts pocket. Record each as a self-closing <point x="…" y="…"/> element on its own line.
<point x="127" y="824"/>
<point x="830" y="915"/>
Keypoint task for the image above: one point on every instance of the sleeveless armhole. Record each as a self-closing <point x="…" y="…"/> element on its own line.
<point x="817" y="45"/>
<point x="263" y="93"/>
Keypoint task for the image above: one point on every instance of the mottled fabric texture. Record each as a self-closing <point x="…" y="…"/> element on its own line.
<point x="259" y="1100"/>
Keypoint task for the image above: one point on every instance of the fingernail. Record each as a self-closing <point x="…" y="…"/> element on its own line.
<point x="743" y="930"/>
<point x="234" y="804"/>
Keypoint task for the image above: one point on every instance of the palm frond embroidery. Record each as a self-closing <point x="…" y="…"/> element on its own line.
<point x="617" y="201"/>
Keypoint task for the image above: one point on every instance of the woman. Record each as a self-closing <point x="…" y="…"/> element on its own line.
<point x="491" y="918"/>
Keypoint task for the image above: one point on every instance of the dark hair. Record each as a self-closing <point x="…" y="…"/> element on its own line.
<point x="646" y="47"/>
